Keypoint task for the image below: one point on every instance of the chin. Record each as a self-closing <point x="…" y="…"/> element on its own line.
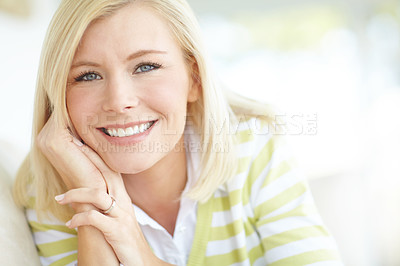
<point x="129" y="164"/>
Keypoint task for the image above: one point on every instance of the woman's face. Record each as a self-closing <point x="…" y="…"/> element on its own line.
<point x="128" y="89"/>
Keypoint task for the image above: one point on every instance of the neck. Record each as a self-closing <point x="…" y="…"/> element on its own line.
<point x="157" y="190"/>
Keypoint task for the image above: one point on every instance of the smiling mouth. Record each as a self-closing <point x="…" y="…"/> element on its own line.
<point x="129" y="131"/>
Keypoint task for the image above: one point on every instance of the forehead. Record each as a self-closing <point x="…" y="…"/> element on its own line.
<point x="133" y="27"/>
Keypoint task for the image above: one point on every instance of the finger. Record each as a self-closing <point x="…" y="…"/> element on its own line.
<point x="78" y="153"/>
<point x="107" y="225"/>
<point x="90" y="218"/>
<point x="62" y="150"/>
<point x="96" y="197"/>
<point x="108" y="174"/>
<point x="95" y="158"/>
<point x="97" y="162"/>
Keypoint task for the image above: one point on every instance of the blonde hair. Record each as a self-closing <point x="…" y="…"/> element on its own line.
<point x="211" y="115"/>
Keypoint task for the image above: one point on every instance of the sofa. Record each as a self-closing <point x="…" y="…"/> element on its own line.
<point x="16" y="243"/>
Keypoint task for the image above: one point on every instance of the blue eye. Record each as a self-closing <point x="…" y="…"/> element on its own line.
<point x="144" y="68"/>
<point x="147" y="67"/>
<point x="89" y="76"/>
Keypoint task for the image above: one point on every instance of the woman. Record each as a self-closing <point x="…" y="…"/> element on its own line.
<point x="147" y="159"/>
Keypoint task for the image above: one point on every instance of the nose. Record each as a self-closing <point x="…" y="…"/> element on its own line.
<point x="120" y="96"/>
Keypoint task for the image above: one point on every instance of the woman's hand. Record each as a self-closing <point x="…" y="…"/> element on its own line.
<point x="75" y="164"/>
<point x="70" y="161"/>
<point x="119" y="225"/>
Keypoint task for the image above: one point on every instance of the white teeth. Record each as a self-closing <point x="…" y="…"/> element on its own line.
<point x="136" y="130"/>
<point x="121" y="132"/>
<point x="130" y="131"/>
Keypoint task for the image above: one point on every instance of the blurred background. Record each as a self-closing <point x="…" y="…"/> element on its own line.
<point x="330" y="67"/>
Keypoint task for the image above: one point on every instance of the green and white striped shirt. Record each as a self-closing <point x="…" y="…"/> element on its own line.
<point x="265" y="215"/>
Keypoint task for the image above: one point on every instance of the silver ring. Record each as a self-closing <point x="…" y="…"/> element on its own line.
<point x="111" y="207"/>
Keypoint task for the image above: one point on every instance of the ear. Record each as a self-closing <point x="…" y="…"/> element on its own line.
<point x="195" y="87"/>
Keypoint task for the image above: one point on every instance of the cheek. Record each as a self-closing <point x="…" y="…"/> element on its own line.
<point x="81" y="111"/>
<point x="169" y="98"/>
<point x="169" y="94"/>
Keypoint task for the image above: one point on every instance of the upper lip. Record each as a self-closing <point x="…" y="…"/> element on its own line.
<point x="126" y="125"/>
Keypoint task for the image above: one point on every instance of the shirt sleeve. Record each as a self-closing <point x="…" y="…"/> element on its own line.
<point x="56" y="243"/>
<point x="286" y="219"/>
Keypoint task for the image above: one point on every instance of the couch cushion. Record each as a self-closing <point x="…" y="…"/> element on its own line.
<point x="16" y="244"/>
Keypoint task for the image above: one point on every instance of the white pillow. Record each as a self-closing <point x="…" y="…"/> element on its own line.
<point x="16" y="243"/>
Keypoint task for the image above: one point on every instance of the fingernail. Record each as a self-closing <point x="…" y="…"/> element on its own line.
<point x="59" y="197"/>
<point x="77" y="142"/>
<point x="68" y="223"/>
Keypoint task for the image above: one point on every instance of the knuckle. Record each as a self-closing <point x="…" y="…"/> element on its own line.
<point x="52" y="144"/>
<point x="47" y="143"/>
<point x="91" y="216"/>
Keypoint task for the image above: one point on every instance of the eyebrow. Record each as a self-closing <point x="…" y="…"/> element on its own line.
<point x="129" y="58"/>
